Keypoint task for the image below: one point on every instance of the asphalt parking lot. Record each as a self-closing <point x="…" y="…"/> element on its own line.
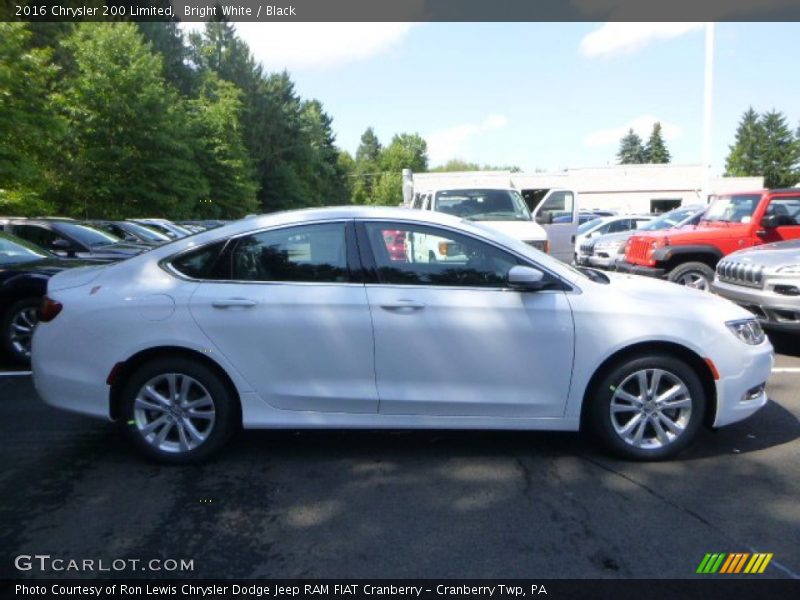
<point x="403" y="504"/>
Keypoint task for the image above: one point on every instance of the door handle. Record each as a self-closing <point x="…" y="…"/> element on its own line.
<point x="402" y="306"/>
<point x="233" y="302"/>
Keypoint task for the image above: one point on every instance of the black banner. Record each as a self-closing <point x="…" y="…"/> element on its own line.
<point x="424" y="589"/>
<point x="402" y="10"/>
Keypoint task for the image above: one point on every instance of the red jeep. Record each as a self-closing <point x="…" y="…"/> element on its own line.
<point x="689" y="255"/>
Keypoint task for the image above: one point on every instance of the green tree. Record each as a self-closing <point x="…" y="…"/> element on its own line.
<point x="655" y="152"/>
<point x="631" y="151"/>
<point x="406" y="151"/>
<point x="367" y="171"/>
<point x="29" y="129"/>
<point x="220" y="152"/>
<point x="455" y="164"/>
<point x="744" y="156"/>
<point x="369" y="150"/>
<point x="779" y="151"/>
<point x="129" y="150"/>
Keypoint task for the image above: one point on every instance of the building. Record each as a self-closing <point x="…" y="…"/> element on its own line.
<point x="622" y="188"/>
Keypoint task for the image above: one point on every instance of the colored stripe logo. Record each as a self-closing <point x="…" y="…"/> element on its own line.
<point x="736" y="562"/>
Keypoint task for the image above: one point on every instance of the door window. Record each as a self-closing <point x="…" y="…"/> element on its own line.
<point x="786" y="209"/>
<point x="310" y="253"/>
<point x="557" y="208"/>
<point x="620" y="225"/>
<point x="40" y="236"/>
<point x="437" y="257"/>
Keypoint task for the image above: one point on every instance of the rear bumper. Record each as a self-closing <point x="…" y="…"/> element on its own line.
<point x="774" y="311"/>
<point x="626" y="267"/>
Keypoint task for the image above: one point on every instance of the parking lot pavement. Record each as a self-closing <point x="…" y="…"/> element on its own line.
<point x="403" y="504"/>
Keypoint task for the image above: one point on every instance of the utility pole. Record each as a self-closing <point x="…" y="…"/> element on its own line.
<point x="708" y="90"/>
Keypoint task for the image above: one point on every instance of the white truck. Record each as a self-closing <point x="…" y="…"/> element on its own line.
<point x="550" y="225"/>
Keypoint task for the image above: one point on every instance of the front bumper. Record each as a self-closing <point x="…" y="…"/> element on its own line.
<point x="602" y="262"/>
<point x="774" y="311"/>
<point x="740" y="389"/>
<point x="624" y="266"/>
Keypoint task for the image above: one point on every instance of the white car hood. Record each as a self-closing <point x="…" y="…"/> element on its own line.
<point x="521" y="230"/>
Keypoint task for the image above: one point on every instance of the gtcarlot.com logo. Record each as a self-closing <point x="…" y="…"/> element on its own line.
<point x="737" y="562"/>
<point x="46" y="563"/>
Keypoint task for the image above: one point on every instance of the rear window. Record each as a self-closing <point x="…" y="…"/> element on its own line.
<point x="202" y="263"/>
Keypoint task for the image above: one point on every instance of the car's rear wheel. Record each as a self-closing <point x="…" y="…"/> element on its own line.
<point x="647" y="408"/>
<point x="693" y="274"/>
<point x="18" y="325"/>
<point x="177" y="410"/>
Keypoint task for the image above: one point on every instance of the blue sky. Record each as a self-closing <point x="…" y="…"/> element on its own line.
<point x="537" y="95"/>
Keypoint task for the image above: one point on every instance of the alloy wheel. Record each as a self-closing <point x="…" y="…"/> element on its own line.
<point x="174" y="412"/>
<point x="651" y="409"/>
<point x="694" y="280"/>
<point x="23" y="323"/>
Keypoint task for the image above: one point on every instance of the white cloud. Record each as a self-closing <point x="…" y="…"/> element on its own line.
<point x="445" y="144"/>
<point x="626" y="38"/>
<point x="316" y="45"/>
<point x="642" y="125"/>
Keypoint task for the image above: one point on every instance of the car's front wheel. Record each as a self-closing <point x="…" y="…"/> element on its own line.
<point x="18" y="325"/>
<point x="177" y="410"/>
<point x="647" y="408"/>
<point x="693" y="274"/>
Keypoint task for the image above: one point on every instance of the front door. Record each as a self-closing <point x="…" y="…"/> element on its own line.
<point x="452" y="339"/>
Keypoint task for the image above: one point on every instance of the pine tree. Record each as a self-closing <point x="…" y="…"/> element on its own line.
<point x="631" y="151"/>
<point x="655" y="151"/>
<point x="129" y="151"/>
<point x="367" y="170"/>
<point x="779" y="151"/>
<point x="370" y="147"/>
<point x="744" y="157"/>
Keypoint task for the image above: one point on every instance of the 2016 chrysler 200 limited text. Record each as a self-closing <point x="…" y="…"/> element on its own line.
<point x="306" y="320"/>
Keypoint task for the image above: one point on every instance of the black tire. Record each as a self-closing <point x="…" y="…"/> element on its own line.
<point x="700" y="271"/>
<point x="225" y="408"/>
<point x="18" y="354"/>
<point x="598" y="412"/>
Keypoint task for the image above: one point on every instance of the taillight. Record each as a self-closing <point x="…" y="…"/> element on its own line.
<point x="49" y="309"/>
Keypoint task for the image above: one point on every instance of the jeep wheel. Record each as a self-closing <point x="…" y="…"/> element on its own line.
<point x="693" y="274"/>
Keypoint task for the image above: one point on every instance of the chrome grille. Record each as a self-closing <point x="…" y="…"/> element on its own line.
<point x="587" y="248"/>
<point x="737" y="273"/>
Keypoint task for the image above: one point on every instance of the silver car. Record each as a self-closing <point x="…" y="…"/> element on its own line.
<point x="766" y="281"/>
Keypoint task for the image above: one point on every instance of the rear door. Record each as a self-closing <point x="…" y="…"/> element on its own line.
<point x="293" y="318"/>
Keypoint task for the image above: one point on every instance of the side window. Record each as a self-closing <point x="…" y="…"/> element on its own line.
<point x="310" y="253"/>
<point x="435" y="256"/>
<point x="557" y="206"/>
<point x="786" y="209"/>
<point x="637" y="223"/>
<point x="38" y="235"/>
<point x="203" y="263"/>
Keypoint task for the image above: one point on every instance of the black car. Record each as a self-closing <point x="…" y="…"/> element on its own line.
<point x="68" y="238"/>
<point x="128" y="231"/>
<point x="24" y="272"/>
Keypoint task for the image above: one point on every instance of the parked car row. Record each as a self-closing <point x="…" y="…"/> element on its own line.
<point x="33" y="250"/>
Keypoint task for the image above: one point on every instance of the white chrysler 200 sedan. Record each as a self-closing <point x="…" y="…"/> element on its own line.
<point x="305" y="319"/>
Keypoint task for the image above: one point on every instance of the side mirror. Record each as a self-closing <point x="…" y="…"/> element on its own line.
<point x="526" y="278"/>
<point x="62" y="245"/>
<point x="544" y="219"/>
<point x="773" y="221"/>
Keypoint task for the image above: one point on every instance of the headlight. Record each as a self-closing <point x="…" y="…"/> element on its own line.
<point x="747" y="330"/>
<point x="790" y="269"/>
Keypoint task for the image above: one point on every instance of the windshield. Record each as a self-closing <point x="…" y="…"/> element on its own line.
<point x="669" y="220"/>
<point x="14" y="252"/>
<point x="145" y="232"/>
<point x="733" y="209"/>
<point x="589" y="225"/>
<point x="483" y="205"/>
<point x="88" y="235"/>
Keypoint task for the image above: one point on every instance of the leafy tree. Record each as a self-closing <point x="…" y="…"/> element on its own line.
<point x="166" y="38"/>
<point x="779" y="151"/>
<point x="29" y="129"/>
<point x="655" y="152"/>
<point x="129" y="150"/>
<point x="744" y="157"/>
<point x="456" y="164"/>
<point x="406" y="151"/>
<point x="631" y="151"/>
<point x="370" y="148"/>
<point x="220" y="152"/>
<point x="367" y="170"/>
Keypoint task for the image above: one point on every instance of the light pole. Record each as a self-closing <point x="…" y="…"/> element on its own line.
<point x="708" y="89"/>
